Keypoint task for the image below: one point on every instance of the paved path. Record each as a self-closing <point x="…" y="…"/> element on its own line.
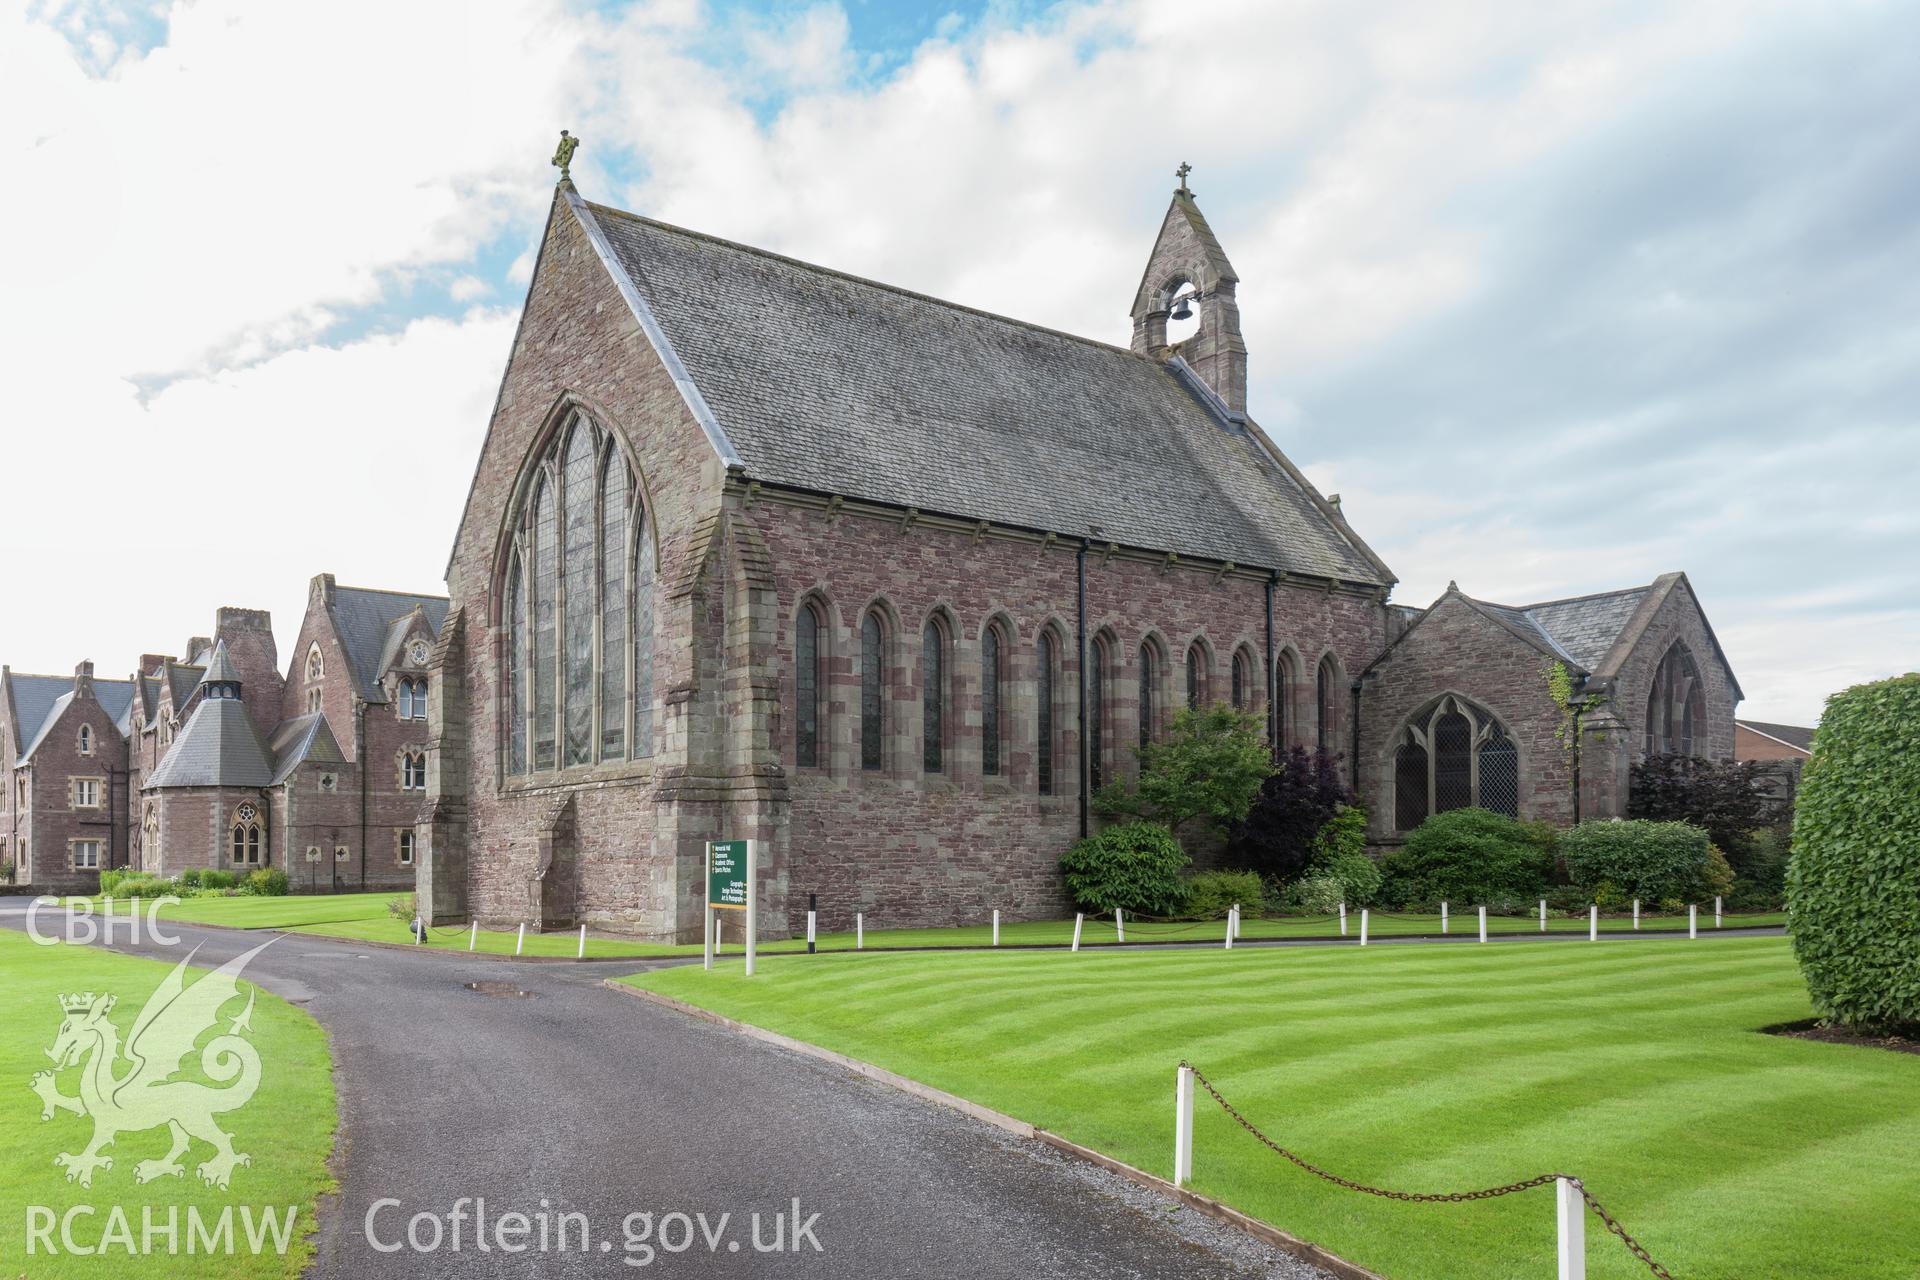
<point x="576" y="1098"/>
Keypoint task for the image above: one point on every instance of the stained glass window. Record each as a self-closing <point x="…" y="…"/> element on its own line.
<point x="613" y="607"/>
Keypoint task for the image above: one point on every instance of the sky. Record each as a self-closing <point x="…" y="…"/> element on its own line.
<point x="1557" y="297"/>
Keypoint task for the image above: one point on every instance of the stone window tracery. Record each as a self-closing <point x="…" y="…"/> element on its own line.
<point x="1676" y="705"/>
<point x="1453" y="755"/>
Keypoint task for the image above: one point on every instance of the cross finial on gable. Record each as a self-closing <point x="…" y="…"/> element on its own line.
<point x="1181" y="173"/>
<point x="563" y="156"/>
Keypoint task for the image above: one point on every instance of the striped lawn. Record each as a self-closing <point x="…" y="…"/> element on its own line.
<point x="1633" y="1065"/>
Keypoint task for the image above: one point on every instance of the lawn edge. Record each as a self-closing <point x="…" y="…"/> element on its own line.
<point x="1266" y="1232"/>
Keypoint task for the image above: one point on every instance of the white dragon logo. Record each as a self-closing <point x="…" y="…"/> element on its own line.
<point x="146" y="1096"/>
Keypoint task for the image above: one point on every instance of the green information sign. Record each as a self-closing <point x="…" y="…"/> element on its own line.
<point x="727" y="874"/>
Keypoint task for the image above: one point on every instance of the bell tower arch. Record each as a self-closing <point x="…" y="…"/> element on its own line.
<point x="1188" y="275"/>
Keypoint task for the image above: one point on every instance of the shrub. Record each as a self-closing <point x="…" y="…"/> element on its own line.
<point x="401" y="907"/>
<point x="1207" y="769"/>
<point x="1853" y="907"/>
<point x="217" y="880"/>
<point x="1725" y="799"/>
<point x="110" y="881"/>
<point x="129" y="883"/>
<point x="1315" y="892"/>
<point x="1211" y="893"/>
<point x="1651" y="861"/>
<point x="267" y="882"/>
<point x="1277" y="836"/>
<point x="1135" y="866"/>
<point x="1468" y="856"/>
<point x="191" y="877"/>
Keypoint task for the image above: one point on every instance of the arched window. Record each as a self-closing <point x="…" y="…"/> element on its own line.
<point x="1043" y="695"/>
<point x="990" y="701"/>
<point x="86" y="739"/>
<point x="577" y="610"/>
<point x="873" y="694"/>
<point x="1453" y="755"/>
<point x="1240" y="680"/>
<point x="1676" y="705"/>
<point x="1096" y="678"/>
<point x="413" y="771"/>
<point x="246" y="844"/>
<point x="316" y="664"/>
<point x="413" y="698"/>
<point x="613" y="605"/>
<point x="1196" y="677"/>
<point x="1326" y="704"/>
<point x="516" y="673"/>
<point x="1286" y="678"/>
<point x="1149" y="692"/>
<point x="933" y="696"/>
<point x="806" y="686"/>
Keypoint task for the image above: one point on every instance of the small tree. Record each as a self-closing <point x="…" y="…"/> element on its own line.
<point x="1207" y="770"/>
<point x="1277" y="836"/>
<point x="1853" y="887"/>
<point x="1726" y="800"/>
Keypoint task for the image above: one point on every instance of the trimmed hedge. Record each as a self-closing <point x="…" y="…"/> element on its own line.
<point x="1853" y="886"/>
<point x="1135" y="866"/>
<point x="1469" y="856"/>
<point x="1211" y="893"/>
<point x="1656" y="862"/>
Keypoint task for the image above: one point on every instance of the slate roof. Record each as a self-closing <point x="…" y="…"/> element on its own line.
<point x="826" y="382"/>
<point x="38" y="702"/>
<point x="218" y="747"/>
<point x="1585" y="627"/>
<point x="220" y="668"/>
<point x="365" y="621"/>
<point x="1793" y="735"/>
<point x="183" y="678"/>
<point x="300" y="739"/>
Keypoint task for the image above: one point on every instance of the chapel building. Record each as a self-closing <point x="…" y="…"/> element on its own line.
<point x="755" y="548"/>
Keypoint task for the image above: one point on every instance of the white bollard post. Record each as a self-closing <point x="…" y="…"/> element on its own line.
<point x="1079" y="917"/>
<point x="996" y="926"/>
<point x="1483" y="924"/>
<point x="1229" y="930"/>
<point x="1570" y="1213"/>
<point x="1363" y="926"/>
<point x="1120" y="924"/>
<point x="1236" y="919"/>
<point x="859" y="931"/>
<point x="1716" y="911"/>
<point x="1182" y="1126"/>
<point x="581" y="954"/>
<point x="1693" y="920"/>
<point x="813" y="919"/>
<point x="1343" y="919"/>
<point x="1443" y="917"/>
<point x="521" y="941"/>
<point x="1636" y="913"/>
<point x="473" y="935"/>
<point x="1543" y="915"/>
<point x="1593" y="923"/>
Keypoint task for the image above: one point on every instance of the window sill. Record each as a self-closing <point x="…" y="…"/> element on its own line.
<point x="631" y="771"/>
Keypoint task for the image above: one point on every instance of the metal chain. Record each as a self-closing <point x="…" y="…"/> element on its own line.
<point x="1447" y="1197"/>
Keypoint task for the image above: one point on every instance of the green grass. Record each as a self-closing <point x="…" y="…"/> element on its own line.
<point x="364" y="917"/>
<point x="287" y="1127"/>
<point x="1635" y="1066"/>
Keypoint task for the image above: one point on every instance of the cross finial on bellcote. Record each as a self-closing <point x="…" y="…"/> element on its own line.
<point x="1181" y="173"/>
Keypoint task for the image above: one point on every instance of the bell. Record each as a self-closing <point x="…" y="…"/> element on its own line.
<point x="1181" y="311"/>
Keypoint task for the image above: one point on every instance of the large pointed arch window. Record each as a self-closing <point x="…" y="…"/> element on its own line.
<point x="806" y="686"/>
<point x="577" y="609"/>
<point x="1676" y="705"/>
<point x="1453" y="755"/>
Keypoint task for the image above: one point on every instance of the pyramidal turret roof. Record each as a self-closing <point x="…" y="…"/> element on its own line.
<point x="220" y="668"/>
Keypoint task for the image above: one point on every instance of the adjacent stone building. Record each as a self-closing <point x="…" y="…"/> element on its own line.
<point x="63" y="767"/>
<point x="755" y="548"/>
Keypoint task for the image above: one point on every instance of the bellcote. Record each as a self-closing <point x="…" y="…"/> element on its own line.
<point x="1188" y="275"/>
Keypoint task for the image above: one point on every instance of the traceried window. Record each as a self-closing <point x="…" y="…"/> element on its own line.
<point x="1453" y="755"/>
<point x="1047" y="659"/>
<point x="1676" y="705"/>
<point x="316" y="664"/>
<point x="990" y="701"/>
<point x="933" y="696"/>
<point x="806" y="686"/>
<point x="873" y="694"/>
<point x="578" y="610"/>
<point x="246" y="844"/>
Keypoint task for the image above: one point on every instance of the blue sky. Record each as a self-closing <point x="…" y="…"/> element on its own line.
<point x="1557" y="297"/>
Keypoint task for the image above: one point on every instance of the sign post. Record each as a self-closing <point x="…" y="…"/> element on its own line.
<point x="730" y="887"/>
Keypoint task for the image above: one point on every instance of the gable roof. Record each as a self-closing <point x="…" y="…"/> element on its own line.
<point x="814" y="380"/>
<point x="219" y="747"/>
<point x="300" y="739"/>
<point x="368" y="623"/>
<point x="1796" y="736"/>
<point x="39" y="702"/>
<point x="182" y="680"/>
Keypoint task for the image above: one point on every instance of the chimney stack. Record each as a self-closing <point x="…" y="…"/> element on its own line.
<point x="83" y="680"/>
